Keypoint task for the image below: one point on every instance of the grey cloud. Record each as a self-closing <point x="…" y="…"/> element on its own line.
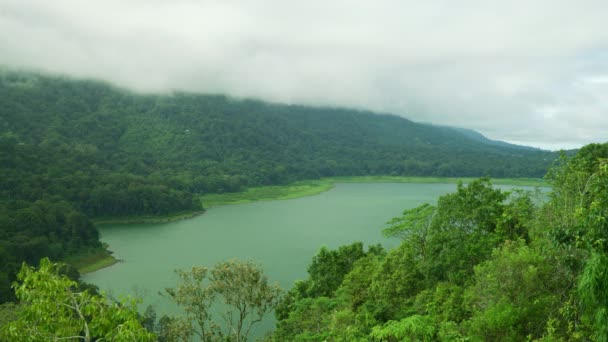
<point x="522" y="71"/>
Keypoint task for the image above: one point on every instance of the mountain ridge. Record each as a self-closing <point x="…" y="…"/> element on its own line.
<point x="47" y="110"/>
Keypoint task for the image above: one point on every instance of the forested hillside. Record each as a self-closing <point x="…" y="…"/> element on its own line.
<point x="71" y="150"/>
<point x="481" y="265"/>
<point x="213" y="143"/>
<point x="114" y="153"/>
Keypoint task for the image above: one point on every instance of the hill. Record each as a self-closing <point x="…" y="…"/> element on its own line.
<point x="261" y="143"/>
<point x="71" y="150"/>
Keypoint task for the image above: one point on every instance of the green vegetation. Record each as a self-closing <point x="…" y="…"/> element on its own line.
<point x="404" y="179"/>
<point x="314" y="187"/>
<point x="86" y="148"/>
<point x="76" y="151"/>
<point x="147" y="219"/>
<point x="270" y="192"/>
<point x="96" y="264"/>
<point x="9" y="312"/>
<point x="240" y="288"/>
<point x="54" y="308"/>
<point x="481" y="265"/>
<point x="91" y="261"/>
<point x="32" y="230"/>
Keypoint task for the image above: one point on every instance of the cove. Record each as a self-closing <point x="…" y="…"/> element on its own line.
<point x="282" y="236"/>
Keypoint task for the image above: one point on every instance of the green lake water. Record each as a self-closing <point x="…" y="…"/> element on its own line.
<point x="282" y="236"/>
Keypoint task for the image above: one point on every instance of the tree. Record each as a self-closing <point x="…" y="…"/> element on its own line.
<point x="515" y="294"/>
<point x="463" y="231"/>
<point x="413" y="226"/>
<point x="329" y="267"/>
<point x="593" y="283"/>
<point x="577" y="218"/>
<point x="395" y="283"/>
<point x="412" y="328"/>
<point x="308" y="320"/>
<point x="196" y="298"/>
<point x="239" y="286"/>
<point x="53" y="308"/>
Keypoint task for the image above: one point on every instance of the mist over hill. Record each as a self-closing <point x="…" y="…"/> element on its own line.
<point x="71" y="150"/>
<point x="257" y="142"/>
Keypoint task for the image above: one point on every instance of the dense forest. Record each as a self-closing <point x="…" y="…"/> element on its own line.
<point x="480" y="265"/>
<point x="110" y="152"/>
<point x="75" y="150"/>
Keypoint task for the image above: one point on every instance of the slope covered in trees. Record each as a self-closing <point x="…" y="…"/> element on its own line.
<point x="481" y="265"/>
<point x="199" y="143"/>
<point x="73" y="150"/>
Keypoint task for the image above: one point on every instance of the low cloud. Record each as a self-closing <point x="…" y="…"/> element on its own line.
<point x="528" y="72"/>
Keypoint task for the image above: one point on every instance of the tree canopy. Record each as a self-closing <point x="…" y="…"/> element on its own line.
<point x="53" y="308"/>
<point x="480" y="265"/>
<point x="236" y="291"/>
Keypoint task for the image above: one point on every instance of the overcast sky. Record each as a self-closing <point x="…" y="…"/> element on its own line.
<point x="533" y="72"/>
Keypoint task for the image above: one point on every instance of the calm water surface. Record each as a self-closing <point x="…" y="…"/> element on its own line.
<point x="282" y="236"/>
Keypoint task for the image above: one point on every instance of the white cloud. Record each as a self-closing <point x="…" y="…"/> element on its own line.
<point x="531" y="72"/>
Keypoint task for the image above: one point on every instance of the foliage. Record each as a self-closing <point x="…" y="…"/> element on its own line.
<point x="420" y="281"/>
<point x="329" y="267"/>
<point x="514" y="293"/>
<point x="593" y="283"/>
<point x="53" y="308"/>
<point x="444" y="302"/>
<point x="463" y="231"/>
<point x="307" y="304"/>
<point x="415" y="221"/>
<point x="195" y="297"/>
<point x="31" y="231"/>
<point x="412" y="328"/>
<point x="8" y="312"/>
<point x="480" y="265"/>
<point x="269" y="192"/>
<point x="309" y="320"/>
<point x="240" y="287"/>
<point x="578" y="218"/>
<point x="394" y="284"/>
<point x="244" y="287"/>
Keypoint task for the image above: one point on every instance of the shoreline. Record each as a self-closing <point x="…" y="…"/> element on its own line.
<point x="98" y="265"/>
<point x="269" y="193"/>
<point x="315" y="187"/>
<point x="92" y="261"/>
<point x="147" y="219"/>
<point x="446" y="180"/>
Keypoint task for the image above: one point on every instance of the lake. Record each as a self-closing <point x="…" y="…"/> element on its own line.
<point x="282" y="236"/>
